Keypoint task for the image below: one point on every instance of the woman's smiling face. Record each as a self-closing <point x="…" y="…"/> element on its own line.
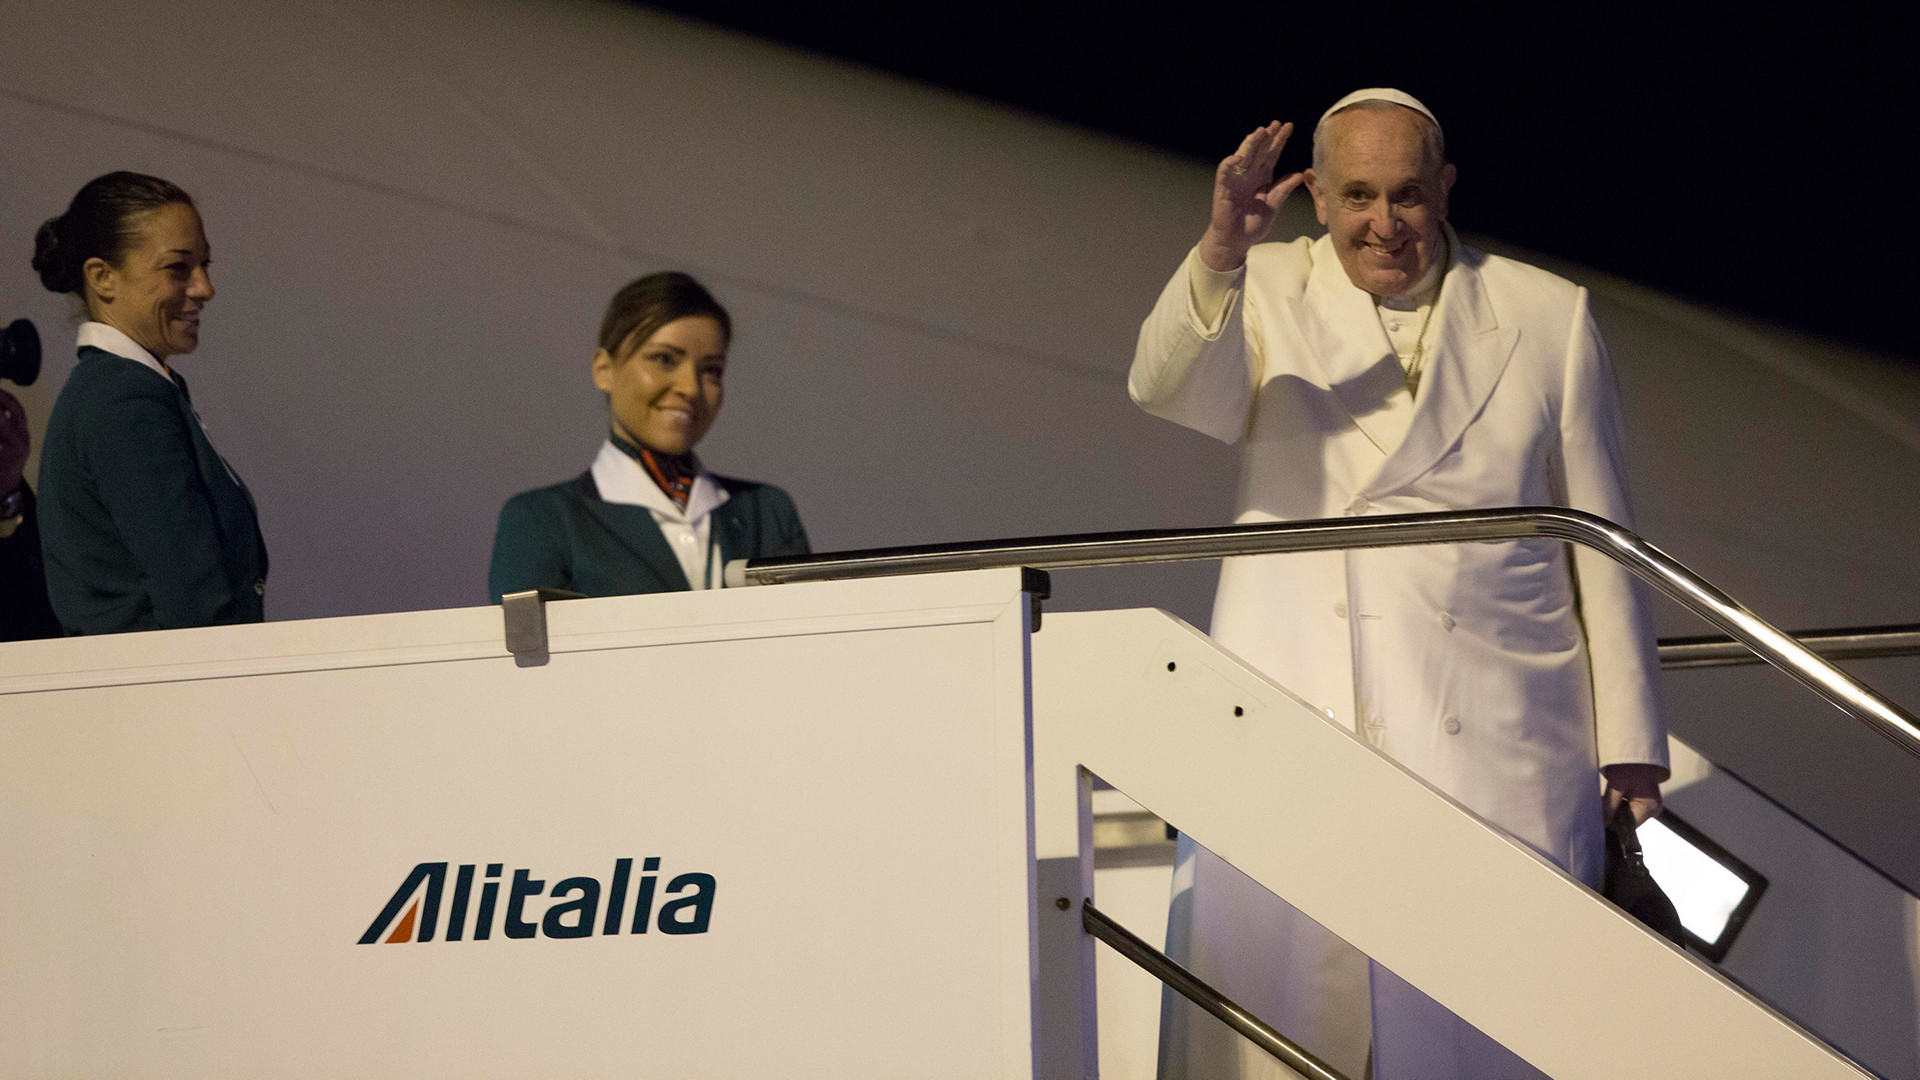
<point x="665" y="393"/>
<point x="156" y="294"/>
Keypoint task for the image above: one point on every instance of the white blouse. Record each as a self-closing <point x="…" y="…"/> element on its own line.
<point x="689" y="532"/>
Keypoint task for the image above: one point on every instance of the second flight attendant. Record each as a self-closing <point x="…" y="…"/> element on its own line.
<point x="143" y="525"/>
<point x="647" y="516"/>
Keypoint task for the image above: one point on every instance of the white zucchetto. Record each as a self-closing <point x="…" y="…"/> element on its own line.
<point x="1382" y="93"/>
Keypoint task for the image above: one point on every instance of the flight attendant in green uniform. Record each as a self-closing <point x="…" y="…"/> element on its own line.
<point x="143" y="525"/>
<point x="647" y="516"/>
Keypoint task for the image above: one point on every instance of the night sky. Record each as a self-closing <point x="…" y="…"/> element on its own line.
<point x="1760" y="165"/>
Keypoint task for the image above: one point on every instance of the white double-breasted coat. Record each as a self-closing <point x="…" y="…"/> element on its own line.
<point x="1504" y="673"/>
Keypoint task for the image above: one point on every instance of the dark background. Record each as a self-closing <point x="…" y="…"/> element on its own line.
<point x="1758" y="164"/>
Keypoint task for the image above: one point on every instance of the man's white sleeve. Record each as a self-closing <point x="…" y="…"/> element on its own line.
<point x="1614" y="604"/>
<point x="1192" y="364"/>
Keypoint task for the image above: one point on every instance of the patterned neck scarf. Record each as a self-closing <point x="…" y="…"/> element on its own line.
<point x="672" y="473"/>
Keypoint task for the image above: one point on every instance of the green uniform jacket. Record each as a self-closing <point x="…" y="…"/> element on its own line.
<point x="142" y="525"/>
<point x="567" y="537"/>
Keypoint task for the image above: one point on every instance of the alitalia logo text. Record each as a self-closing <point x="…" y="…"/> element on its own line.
<point x="521" y="906"/>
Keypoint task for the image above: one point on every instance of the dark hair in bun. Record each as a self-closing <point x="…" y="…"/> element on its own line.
<point x="646" y="304"/>
<point x="99" y="223"/>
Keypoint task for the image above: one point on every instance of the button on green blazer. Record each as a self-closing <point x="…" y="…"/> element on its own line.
<point x="567" y="537"/>
<point x="142" y="525"/>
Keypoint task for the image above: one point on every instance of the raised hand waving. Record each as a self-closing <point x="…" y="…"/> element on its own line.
<point x="1246" y="195"/>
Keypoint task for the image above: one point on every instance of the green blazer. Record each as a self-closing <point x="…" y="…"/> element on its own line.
<point x="142" y="525"/>
<point x="567" y="537"/>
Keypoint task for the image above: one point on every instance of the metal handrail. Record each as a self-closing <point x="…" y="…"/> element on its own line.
<point x="1656" y="567"/>
<point x="1846" y="643"/>
<point x="1292" y="1054"/>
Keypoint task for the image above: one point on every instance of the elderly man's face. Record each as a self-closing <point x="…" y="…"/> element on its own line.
<point x="1380" y="197"/>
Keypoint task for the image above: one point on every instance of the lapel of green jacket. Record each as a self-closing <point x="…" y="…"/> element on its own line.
<point x="732" y="527"/>
<point x="233" y="502"/>
<point x="237" y="515"/>
<point x="633" y="528"/>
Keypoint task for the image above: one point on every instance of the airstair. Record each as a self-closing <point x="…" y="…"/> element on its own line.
<point x="846" y="827"/>
<point x="1206" y="744"/>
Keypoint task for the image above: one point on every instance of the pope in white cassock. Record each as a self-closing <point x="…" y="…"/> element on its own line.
<point x="1387" y="368"/>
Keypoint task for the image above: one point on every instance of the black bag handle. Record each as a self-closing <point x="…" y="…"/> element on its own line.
<point x="1630" y="885"/>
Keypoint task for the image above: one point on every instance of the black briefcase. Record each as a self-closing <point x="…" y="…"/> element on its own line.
<point x="1630" y="886"/>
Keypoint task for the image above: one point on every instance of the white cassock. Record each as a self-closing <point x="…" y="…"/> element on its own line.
<point x="1503" y="673"/>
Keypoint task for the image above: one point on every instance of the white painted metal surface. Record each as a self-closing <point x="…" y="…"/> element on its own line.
<point x="200" y="827"/>
<point x="1474" y="919"/>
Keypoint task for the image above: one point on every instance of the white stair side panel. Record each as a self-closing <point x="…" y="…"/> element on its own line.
<point x="1473" y="918"/>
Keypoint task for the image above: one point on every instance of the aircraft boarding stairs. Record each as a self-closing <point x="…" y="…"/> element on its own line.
<point x="1775" y="904"/>
<point x="1143" y="703"/>
<point x="865" y="848"/>
<point x="1145" y="712"/>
